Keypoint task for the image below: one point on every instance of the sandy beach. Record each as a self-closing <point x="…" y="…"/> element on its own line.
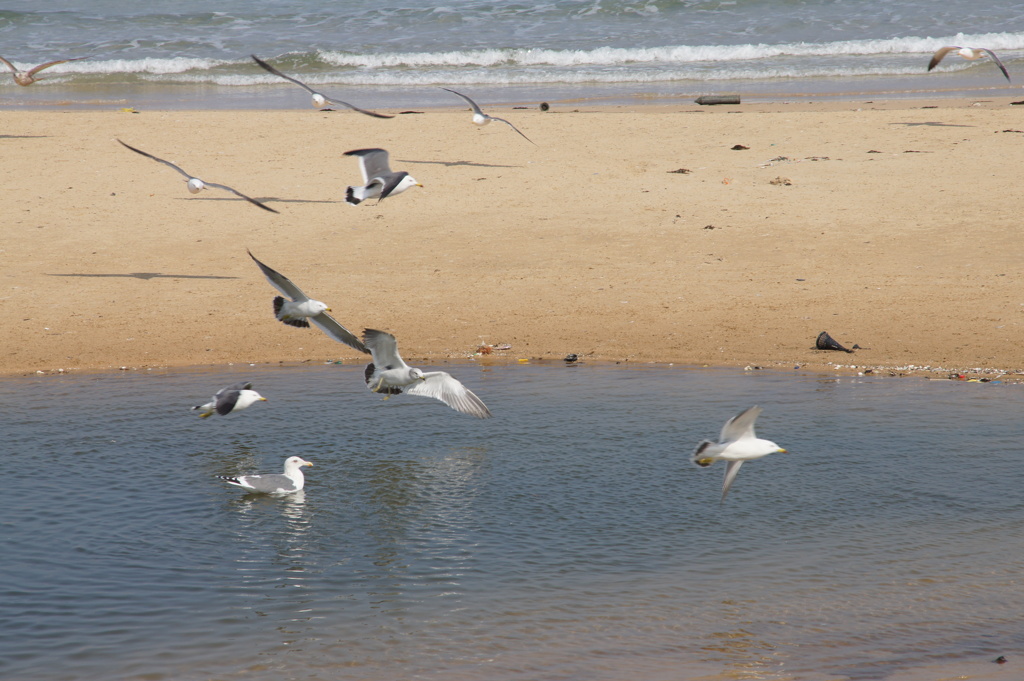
<point x="725" y="235"/>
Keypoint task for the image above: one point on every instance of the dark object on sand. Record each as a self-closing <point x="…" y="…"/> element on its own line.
<point x="1000" y="660"/>
<point x="739" y="147"/>
<point x="571" y="357"/>
<point x="826" y="342"/>
<point x="707" y="100"/>
<point x="544" y="106"/>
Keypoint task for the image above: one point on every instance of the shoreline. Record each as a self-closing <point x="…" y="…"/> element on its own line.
<point x="833" y="218"/>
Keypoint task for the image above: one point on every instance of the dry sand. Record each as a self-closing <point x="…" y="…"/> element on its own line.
<point x="893" y="225"/>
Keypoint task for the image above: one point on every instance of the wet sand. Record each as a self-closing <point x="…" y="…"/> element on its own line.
<point x="632" y="233"/>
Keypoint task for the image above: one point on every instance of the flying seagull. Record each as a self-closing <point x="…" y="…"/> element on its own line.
<point x="736" y="444"/>
<point x="29" y="77"/>
<point x="378" y="178"/>
<point x="482" y="119"/>
<point x="302" y="309"/>
<point x="319" y="100"/>
<point x="291" y="480"/>
<point x="969" y="53"/>
<point x="195" y="185"/>
<point x="233" y="398"/>
<point x="388" y="374"/>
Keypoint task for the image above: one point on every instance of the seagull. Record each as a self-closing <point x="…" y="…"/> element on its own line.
<point x="482" y="119"/>
<point x="29" y="77"/>
<point x="195" y="185"/>
<point x="232" y="398"/>
<point x="291" y="480"/>
<point x="388" y="374"/>
<point x="736" y="444"/>
<point x="302" y="309"/>
<point x="378" y="177"/>
<point x="319" y="100"/>
<point x="969" y="53"/>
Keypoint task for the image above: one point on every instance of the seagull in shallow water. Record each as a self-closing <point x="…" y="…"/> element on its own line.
<point x="388" y="374"/>
<point x="378" y="178"/>
<point x="736" y="444"/>
<point x="195" y="185"/>
<point x="302" y="309"/>
<point x="291" y="480"/>
<point x="482" y="119"/>
<point x="319" y="100"/>
<point x="29" y="77"/>
<point x="232" y="398"/>
<point x="969" y="53"/>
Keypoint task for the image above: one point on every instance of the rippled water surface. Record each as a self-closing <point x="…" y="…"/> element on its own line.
<point x="567" y="538"/>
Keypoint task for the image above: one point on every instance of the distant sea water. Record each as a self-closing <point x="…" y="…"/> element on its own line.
<point x="194" y="54"/>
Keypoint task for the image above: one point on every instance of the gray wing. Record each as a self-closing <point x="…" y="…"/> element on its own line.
<point x="9" y="65"/>
<point x="226" y="399"/>
<point x="476" y="109"/>
<point x="238" y="193"/>
<point x="158" y="160"/>
<point x="730" y="475"/>
<point x="390" y="182"/>
<point x="373" y="162"/>
<point x="998" y="63"/>
<point x="443" y="386"/>
<point x="279" y="281"/>
<point x="939" y="54"/>
<point x="356" y="108"/>
<point x="270" y="483"/>
<point x="271" y="69"/>
<point x="332" y="328"/>
<point x="384" y="348"/>
<point x="495" y="118"/>
<point x="741" y="425"/>
<point x="48" y="64"/>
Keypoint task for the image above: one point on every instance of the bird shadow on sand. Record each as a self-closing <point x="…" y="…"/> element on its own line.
<point x="261" y="199"/>
<point x="147" y="275"/>
<point x="22" y="137"/>
<point x="934" y="123"/>
<point x="449" y="164"/>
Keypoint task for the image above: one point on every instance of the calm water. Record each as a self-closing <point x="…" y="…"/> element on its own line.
<point x="567" y="538"/>
<point x="188" y="53"/>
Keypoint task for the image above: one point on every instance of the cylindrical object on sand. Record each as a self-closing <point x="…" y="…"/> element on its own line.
<point x="705" y="100"/>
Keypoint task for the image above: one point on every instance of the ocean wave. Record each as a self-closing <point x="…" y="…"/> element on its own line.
<point x="677" y="54"/>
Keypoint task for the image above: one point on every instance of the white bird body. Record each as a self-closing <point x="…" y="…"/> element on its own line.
<point x="301" y="309"/>
<point x="230" y="399"/>
<point x="736" y="443"/>
<point x="378" y="179"/>
<point x="968" y="53"/>
<point x="292" y="480"/>
<point x="389" y="374"/>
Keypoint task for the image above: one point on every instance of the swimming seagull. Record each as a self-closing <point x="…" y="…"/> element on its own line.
<point x="969" y="53"/>
<point x="195" y="185"/>
<point x="291" y="480"/>
<point x="481" y="119"/>
<point x="736" y="444"/>
<point x="29" y="77"/>
<point x="232" y="398"/>
<point x="302" y="309"/>
<point x="378" y="178"/>
<point x="319" y="100"/>
<point x="388" y="374"/>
